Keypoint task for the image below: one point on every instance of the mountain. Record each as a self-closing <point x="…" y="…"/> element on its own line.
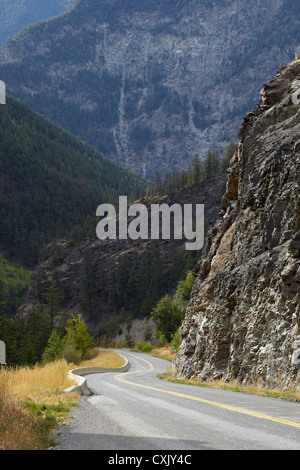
<point x="111" y="279"/>
<point x="242" y="321"/>
<point x="150" y="83"/>
<point x="17" y="14"/>
<point x="50" y="182"/>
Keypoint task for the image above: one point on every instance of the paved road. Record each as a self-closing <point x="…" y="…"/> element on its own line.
<point x="137" y="411"/>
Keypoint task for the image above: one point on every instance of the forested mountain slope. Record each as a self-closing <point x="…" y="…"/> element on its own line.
<point x="150" y="83"/>
<point x="50" y="181"/>
<point x="104" y="279"/>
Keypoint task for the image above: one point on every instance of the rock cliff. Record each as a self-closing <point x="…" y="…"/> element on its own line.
<point x="243" y="317"/>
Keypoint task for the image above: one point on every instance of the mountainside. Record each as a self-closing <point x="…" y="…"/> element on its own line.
<point x="104" y="279"/>
<point x="150" y="83"/>
<point x="17" y="14"/>
<point x="243" y="318"/>
<point x="50" y="181"/>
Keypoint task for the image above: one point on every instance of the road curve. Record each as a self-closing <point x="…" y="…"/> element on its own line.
<point x="137" y="411"/>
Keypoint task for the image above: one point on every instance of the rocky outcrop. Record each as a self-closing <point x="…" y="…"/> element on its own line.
<point x="243" y="317"/>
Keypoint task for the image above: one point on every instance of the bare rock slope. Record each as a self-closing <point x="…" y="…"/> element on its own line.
<point x="243" y="317"/>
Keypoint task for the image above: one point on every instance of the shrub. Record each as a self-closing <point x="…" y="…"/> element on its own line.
<point x="71" y="354"/>
<point x="184" y="289"/>
<point x="167" y="316"/>
<point x="144" y="346"/>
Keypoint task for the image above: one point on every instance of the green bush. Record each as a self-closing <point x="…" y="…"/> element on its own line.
<point x="184" y="289"/>
<point x="144" y="346"/>
<point x="167" y="316"/>
<point x="71" y="354"/>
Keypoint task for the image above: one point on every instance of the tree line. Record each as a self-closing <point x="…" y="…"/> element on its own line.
<point x="199" y="170"/>
<point x="35" y="339"/>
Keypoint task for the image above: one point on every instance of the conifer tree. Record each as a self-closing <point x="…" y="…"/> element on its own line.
<point x="197" y="169"/>
<point x="212" y="163"/>
<point x="77" y="335"/>
<point x="54" y="348"/>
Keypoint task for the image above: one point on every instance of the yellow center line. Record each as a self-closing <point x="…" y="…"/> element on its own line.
<point x="202" y="400"/>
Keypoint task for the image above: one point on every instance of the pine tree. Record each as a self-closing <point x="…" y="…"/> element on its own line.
<point x="54" y="348"/>
<point x="212" y="163"/>
<point x="77" y="335"/>
<point x="196" y="170"/>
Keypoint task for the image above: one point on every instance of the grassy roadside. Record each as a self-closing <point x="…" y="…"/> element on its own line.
<point x="33" y="402"/>
<point x="105" y="358"/>
<point x="253" y="389"/>
<point x="164" y="353"/>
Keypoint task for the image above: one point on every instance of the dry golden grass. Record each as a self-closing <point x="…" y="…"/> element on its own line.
<point x="16" y="427"/>
<point x="33" y="402"/>
<point x="33" y="383"/>
<point x="105" y="358"/>
<point x="165" y="352"/>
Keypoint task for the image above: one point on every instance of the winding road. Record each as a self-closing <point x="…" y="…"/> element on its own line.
<point x="136" y="410"/>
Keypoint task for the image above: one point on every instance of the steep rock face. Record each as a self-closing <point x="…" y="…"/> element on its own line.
<point x="149" y="84"/>
<point x="244" y="313"/>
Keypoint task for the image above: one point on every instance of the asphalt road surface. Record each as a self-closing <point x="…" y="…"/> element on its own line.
<point x="138" y="411"/>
